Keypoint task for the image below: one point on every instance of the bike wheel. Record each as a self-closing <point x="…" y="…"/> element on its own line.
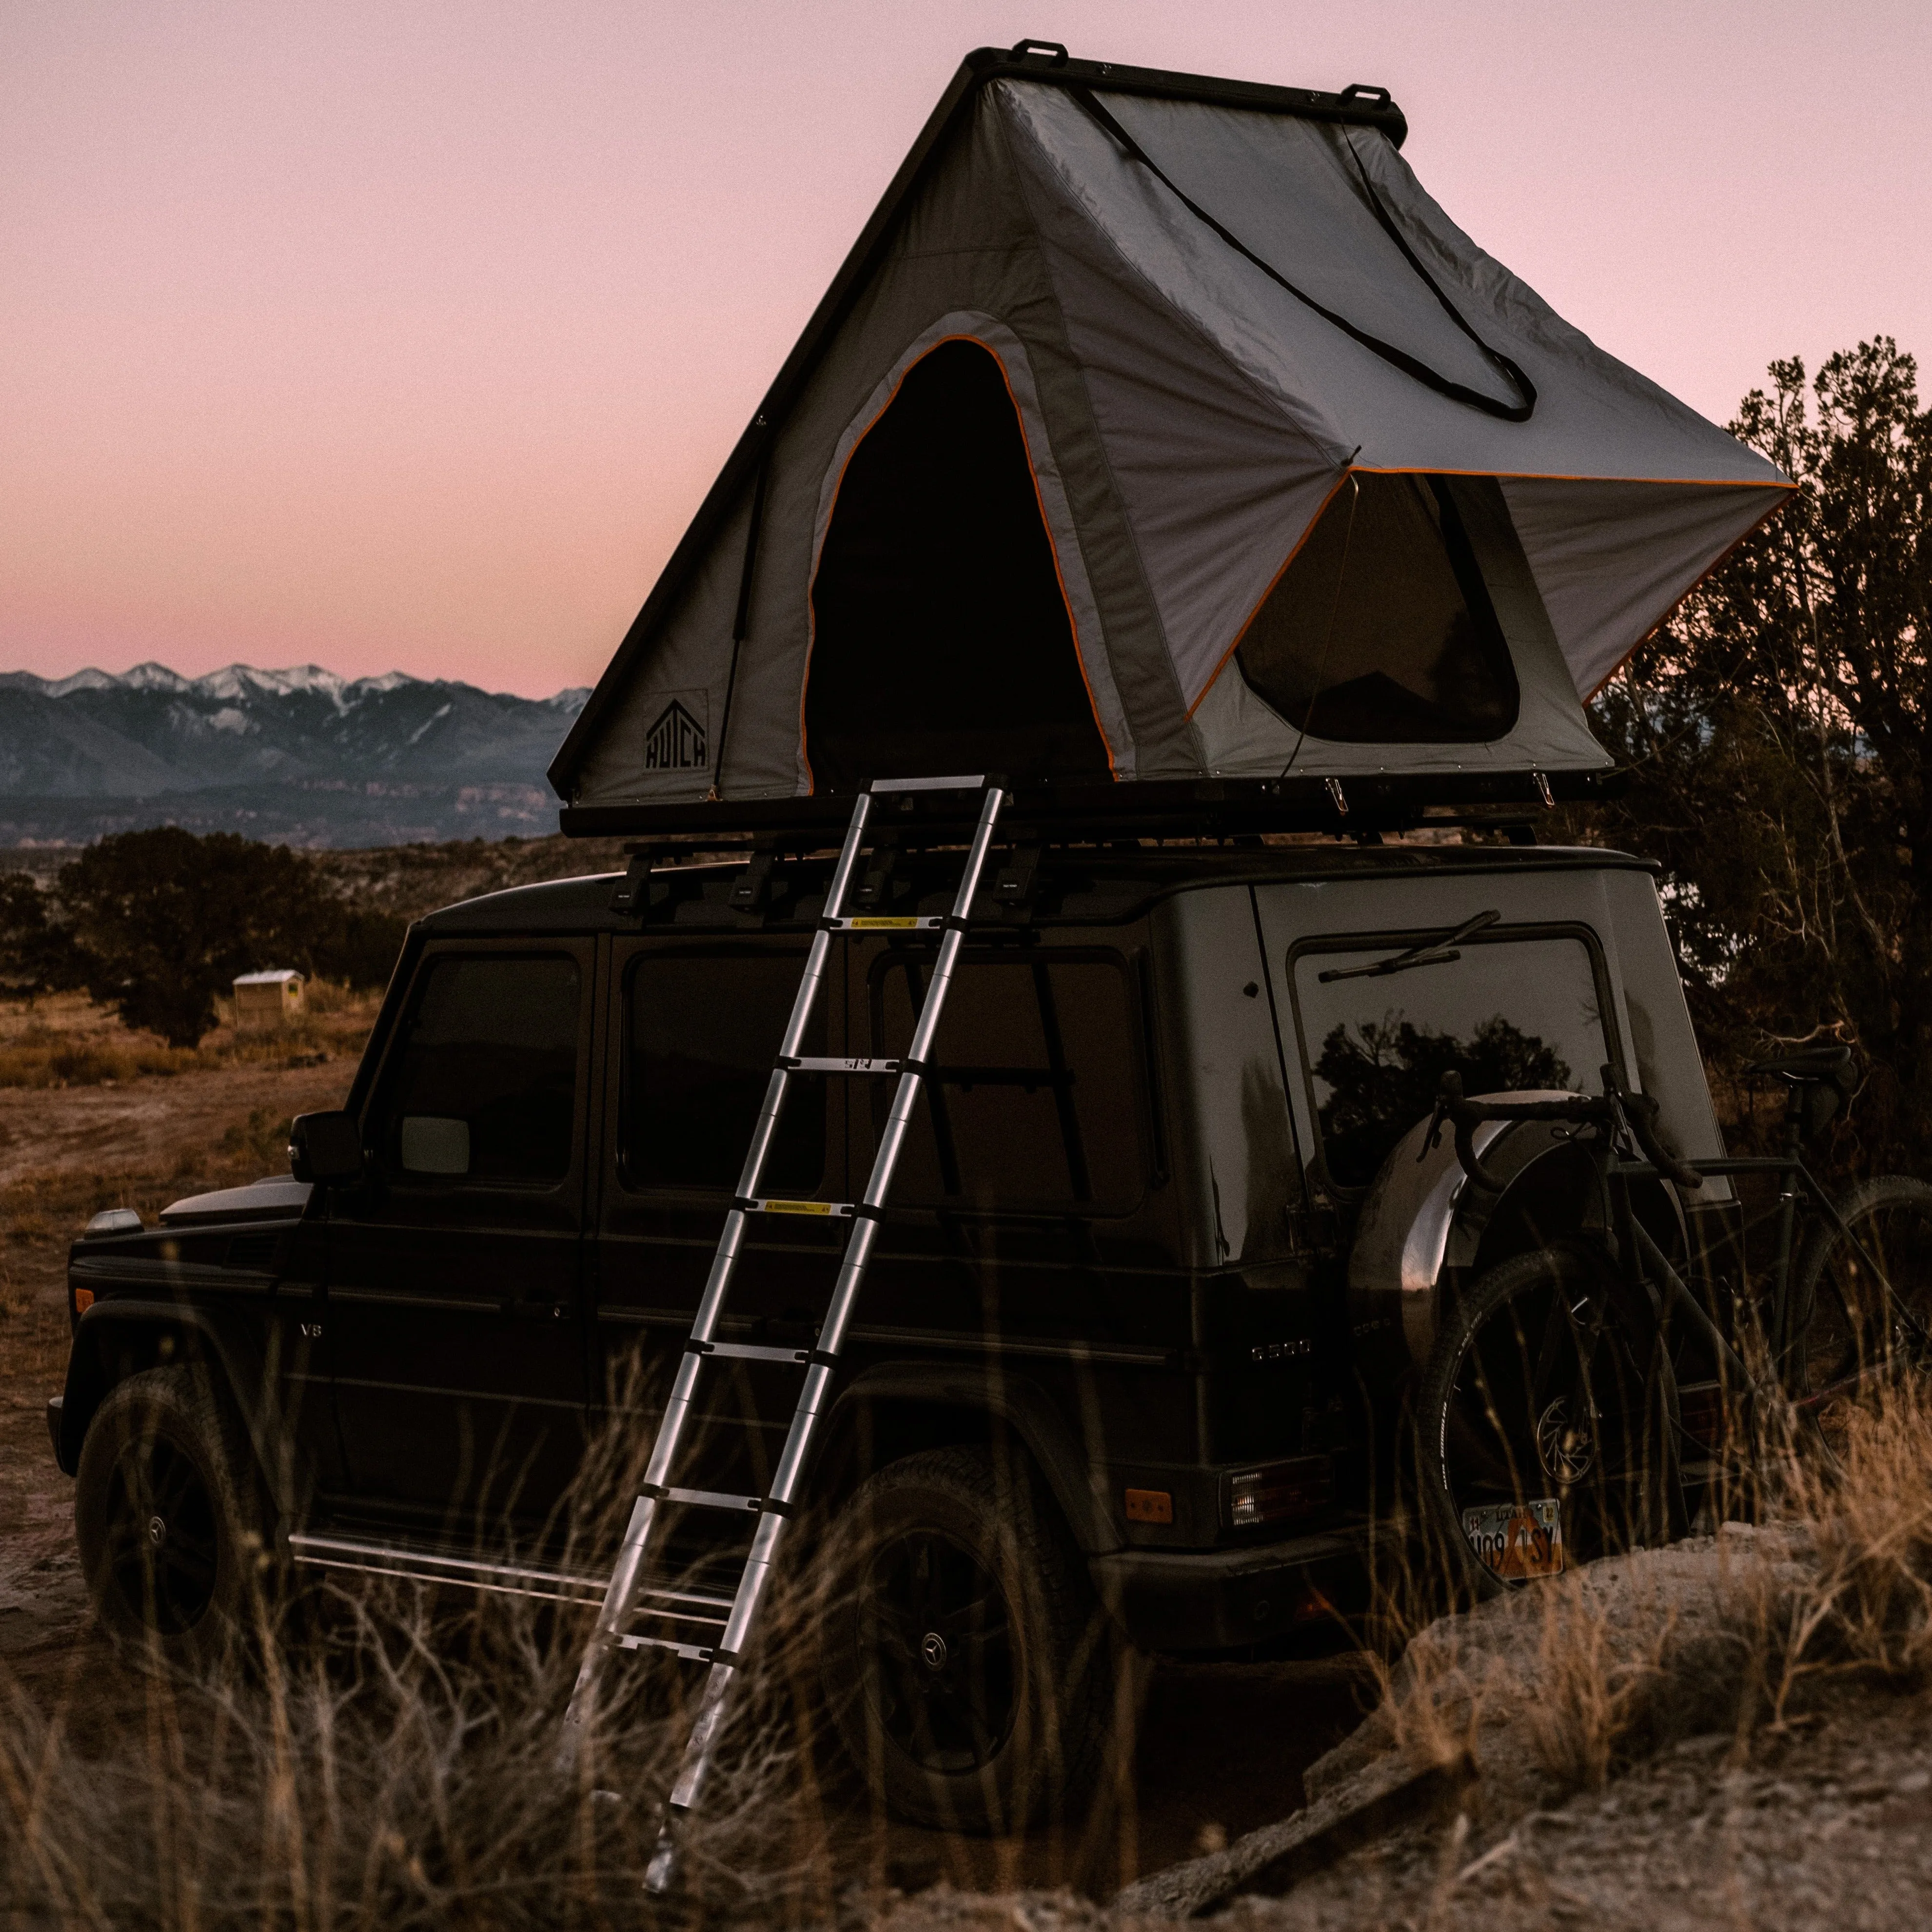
<point x="1547" y="1423"/>
<point x="1862" y="1308"/>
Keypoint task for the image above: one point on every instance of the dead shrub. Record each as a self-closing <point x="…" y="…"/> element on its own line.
<point x="1868" y="1521"/>
<point x="1594" y="1704"/>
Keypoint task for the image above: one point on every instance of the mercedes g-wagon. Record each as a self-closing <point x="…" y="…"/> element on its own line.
<point x="1166" y="1240"/>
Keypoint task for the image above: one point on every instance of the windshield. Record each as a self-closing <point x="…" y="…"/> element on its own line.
<point x="1507" y="1014"/>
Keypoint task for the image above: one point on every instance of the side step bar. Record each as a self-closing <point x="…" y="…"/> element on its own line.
<point x="370" y="1556"/>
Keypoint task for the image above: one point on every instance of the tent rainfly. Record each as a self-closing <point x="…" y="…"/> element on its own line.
<point x="1162" y="428"/>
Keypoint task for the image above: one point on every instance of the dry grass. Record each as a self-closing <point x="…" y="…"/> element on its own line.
<point x="1868" y="1609"/>
<point x="65" y="1039"/>
<point x="1582" y="1676"/>
<point x="387" y="1757"/>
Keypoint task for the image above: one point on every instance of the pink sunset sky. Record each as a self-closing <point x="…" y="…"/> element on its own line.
<point x="408" y="335"/>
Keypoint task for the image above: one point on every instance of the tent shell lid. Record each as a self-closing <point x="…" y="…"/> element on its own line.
<point x="1356" y="105"/>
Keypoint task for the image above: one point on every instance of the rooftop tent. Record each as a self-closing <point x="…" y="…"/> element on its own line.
<point x="1162" y="428"/>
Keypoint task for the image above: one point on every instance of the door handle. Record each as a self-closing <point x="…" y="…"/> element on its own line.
<point x="538" y="1311"/>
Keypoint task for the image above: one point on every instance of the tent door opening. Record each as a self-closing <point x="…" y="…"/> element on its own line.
<point x="1381" y="630"/>
<point x="941" y="639"/>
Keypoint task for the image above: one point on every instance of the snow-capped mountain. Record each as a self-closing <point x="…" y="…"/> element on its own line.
<point x="154" y="736"/>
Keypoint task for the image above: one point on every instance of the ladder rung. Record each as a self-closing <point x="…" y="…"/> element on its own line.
<point x="879" y="786"/>
<point x="692" y="1653"/>
<point x="888" y="922"/>
<point x="754" y="1351"/>
<point x="765" y="1204"/>
<point x="715" y="1499"/>
<point x="809" y="1064"/>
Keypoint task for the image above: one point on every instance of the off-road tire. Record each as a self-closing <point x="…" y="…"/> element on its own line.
<point x="165" y="1447"/>
<point x="1649" y="1503"/>
<point x="1840" y="1329"/>
<point x="1038" y="1672"/>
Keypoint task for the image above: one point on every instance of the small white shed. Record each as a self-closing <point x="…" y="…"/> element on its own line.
<point x="265" y="999"/>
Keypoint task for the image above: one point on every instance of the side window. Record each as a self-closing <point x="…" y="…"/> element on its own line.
<point x="1034" y="1104"/>
<point x="486" y="1085"/>
<point x="1506" y="1014"/>
<point x="702" y="1028"/>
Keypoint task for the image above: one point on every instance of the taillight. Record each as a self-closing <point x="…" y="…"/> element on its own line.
<point x="1279" y="1490"/>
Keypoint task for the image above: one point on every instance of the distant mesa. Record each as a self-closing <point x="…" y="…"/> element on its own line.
<point x="302" y="755"/>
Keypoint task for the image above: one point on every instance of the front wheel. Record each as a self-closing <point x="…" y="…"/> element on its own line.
<point x="1547" y="1424"/>
<point x="1862" y="1300"/>
<point x="964" y="1652"/>
<point x="170" y="1520"/>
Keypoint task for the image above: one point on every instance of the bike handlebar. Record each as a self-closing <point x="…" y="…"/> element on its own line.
<point x="1637" y="1112"/>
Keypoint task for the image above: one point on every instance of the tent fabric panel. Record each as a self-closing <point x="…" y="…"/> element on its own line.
<point x="1244" y="738"/>
<point x="1213" y="471"/>
<point x="1324" y="236"/>
<point x="1550" y="729"/>
<point x="1613" y="560"/>
<point x="686" y="667"/>
<point x="1135" y="658"/>
<point x="1594" y="416"/>
<point x="1005" y="349"/>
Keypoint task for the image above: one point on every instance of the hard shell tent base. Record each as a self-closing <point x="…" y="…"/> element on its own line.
<point x="1163" y="430"/>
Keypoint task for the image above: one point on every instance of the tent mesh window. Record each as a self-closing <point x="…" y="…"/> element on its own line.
<point x="1381" y="630"/>
<point x="941" y="640"/>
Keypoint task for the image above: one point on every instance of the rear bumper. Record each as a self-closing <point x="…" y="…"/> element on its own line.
<point x="1226" y="1599"/>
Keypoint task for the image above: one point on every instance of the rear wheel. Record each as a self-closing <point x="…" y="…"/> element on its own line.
<point x="1547" y="1425"/>
<point x="964" y="1655"/>
<point x="1863" y="1306"/>
<point x="169" y="1518"/>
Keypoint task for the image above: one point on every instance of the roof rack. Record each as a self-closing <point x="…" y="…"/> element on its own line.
<point x="1101" y="812"/>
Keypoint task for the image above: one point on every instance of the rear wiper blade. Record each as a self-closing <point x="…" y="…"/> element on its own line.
<point x="1436" y="952"/>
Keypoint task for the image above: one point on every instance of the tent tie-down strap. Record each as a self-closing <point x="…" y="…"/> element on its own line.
<point x="1409" y="365"/>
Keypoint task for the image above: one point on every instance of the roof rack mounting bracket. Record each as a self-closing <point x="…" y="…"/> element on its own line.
<point x="750" y="893"/>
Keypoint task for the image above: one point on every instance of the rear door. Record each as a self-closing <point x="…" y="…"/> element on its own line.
<point x="454" y="1306"/>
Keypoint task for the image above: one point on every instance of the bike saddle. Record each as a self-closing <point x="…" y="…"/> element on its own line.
<point x="1831" y="1064"/>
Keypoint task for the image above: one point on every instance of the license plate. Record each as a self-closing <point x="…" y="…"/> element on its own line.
<point x="1517" y="1541"/>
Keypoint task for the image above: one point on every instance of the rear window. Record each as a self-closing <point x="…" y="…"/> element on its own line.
<point x="702" y="1028"/>
<point x="1035" y="1102"/>
<point x="1511" y="1012"/>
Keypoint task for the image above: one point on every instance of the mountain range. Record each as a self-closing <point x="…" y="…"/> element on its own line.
<point x="302" y="755"/>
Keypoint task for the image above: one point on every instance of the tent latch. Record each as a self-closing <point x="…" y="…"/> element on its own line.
<point x="1336" y="793"/>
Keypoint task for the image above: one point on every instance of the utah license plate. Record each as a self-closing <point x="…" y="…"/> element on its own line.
<point x="1517" y="1541"/>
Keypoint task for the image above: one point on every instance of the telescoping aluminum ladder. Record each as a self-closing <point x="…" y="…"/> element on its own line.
<point x="627" y="1579"/>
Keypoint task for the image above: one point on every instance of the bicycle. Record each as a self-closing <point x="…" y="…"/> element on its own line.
<point x="1551" y="1421"/>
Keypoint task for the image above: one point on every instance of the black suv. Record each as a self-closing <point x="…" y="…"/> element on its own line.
<point x="1165" y="1247"/>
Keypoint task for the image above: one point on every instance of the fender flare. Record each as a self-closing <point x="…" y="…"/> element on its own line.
<point x="138" y="1328"/>
<point x="1423" y="1217"/>
<point x="1025" y="1407"/>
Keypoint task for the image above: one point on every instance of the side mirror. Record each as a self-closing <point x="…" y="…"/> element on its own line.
<point x="325" y="1148"/>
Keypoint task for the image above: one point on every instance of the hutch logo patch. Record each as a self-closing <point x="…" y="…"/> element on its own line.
<point x="679" y="739"/>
